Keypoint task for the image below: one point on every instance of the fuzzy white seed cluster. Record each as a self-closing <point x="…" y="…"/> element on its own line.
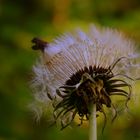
<point x="74" y="51"/>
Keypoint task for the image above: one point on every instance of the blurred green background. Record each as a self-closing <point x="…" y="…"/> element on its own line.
<point x="20" y="21"/>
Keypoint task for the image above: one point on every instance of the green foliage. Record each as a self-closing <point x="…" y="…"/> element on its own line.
<point x="22" y="20"/>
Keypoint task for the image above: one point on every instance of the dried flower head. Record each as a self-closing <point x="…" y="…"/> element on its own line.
<point x="77" y="70"/>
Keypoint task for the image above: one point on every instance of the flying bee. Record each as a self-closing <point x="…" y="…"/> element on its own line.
<point x="39" y="44"/>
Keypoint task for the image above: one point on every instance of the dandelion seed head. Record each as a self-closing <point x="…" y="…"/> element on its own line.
<point x="80" y="68"/>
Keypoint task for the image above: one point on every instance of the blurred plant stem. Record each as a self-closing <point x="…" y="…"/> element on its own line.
<point x="61" y="12"/>
<point x="93" y="124"/>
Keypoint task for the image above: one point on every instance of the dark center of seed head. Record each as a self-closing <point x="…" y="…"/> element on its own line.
<point x="91" y="70"/>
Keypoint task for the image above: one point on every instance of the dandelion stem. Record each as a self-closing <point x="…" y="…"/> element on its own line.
<point x="93" y="124"/>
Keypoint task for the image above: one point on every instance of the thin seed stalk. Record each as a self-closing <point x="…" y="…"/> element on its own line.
<point x="93" y="124"/>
